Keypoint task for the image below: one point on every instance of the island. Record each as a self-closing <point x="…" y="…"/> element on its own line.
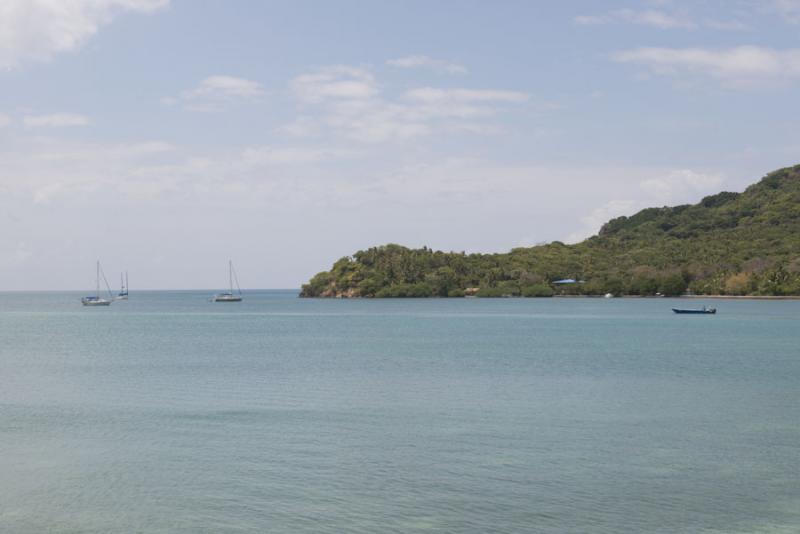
<point x="736" y="244"/>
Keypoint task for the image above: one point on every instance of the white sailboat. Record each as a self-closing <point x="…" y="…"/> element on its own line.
<point x="230" y="296"/>
<point x="95" y="299"/>
<point x="123" y="292"/>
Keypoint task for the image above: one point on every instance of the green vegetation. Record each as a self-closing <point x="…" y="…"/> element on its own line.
<point x="728" y="244"/>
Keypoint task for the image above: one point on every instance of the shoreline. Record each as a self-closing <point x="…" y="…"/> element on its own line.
<point x="720" y="297"/>
<point x="743" y="297"/>
<point x="716" y="297"/>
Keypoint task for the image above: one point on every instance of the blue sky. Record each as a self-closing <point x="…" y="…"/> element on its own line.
<point x="165" y="137"/>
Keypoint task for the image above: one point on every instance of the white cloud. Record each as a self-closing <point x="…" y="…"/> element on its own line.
<point x="301" y="127"/>
<point x="268" y="155"/>
<point x="788" y="9"/>
<point x="214" y="92"/>
<point x="681" y="185"/>
<point x="320" y="194"/>
<point x="591" y="223"/>
<point x="739" y="64"/>
<point x="55" y="120"/>
<point x="726" y="25"/>
<point x="43" y="169"/>
<point x="592" y="20"/>
<point x="348" y="101"/>
<point x="427" y="103"/>
<point x="649" y="17"/>
<point x="606" y="192"/>
<point x="377" y="121"/>
<point x="225" y="86"/>
<point x="334" y="82"/>
<point x="55" y="151"/>
<point x="433" y="95"/>
<point x="437" y="65"/>
<point x="38" y="29"/>
<point x="473" y="128"/>
<point x="5" y="120"/>
<point x="661" y="19"/>
<point x="662" y="188"/>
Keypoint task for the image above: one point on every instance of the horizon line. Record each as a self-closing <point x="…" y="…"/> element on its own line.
<point x="149" y="289"/>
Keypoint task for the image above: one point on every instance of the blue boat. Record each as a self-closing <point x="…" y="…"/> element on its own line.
<point x="702" y="311"/>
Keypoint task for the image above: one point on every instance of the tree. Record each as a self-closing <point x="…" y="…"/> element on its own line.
<point x="673" y="285"/>
<point x="737" y="284"/>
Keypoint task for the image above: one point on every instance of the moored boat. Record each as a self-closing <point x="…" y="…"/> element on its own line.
<point x="96" y="300"/>
<point x="227" y="297"/>
<point x="701" y="311"/>
<point x="123" y="292"/>
<point x="230" y="296"/>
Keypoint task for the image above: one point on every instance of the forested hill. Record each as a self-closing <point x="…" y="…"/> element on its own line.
<point x="728" y="244"/>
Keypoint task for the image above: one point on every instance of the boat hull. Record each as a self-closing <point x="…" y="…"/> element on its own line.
<point x="95" y="302"/>
<point x="227" y="298"/>
<point x="710" y="311"/>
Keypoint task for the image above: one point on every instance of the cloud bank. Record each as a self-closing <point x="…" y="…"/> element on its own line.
<point x="39" y="29"/>
<point x="649" y="17"/>
<point x="427" y="62"/>
<point x="349" y="101"/>
<point x="215" y="92"/>
<point x="740" y="64"/>
<point x="55" y="120"/>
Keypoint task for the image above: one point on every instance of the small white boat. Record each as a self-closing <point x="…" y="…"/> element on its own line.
<point x="123" y="292"/>
<point x="96" y="300"/>
<point x="230" y="296"/>
<point x="609" y="295"/>
<point x="227" y="297"/>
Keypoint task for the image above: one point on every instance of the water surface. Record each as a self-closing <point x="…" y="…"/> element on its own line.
<point x="167" y="413"/>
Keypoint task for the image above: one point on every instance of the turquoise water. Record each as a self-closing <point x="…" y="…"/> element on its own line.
<point x="168" y="413"/>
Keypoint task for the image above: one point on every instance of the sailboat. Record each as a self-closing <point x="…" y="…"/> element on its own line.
<point x="230" y="296"/>
<point x="95" y="299"/>
<point x="123" y="292"/>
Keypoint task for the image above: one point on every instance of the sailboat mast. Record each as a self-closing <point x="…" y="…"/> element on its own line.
<point x="97" y="279"/>
<point x="230" y="274"/>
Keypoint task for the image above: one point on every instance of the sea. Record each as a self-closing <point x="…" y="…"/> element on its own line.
<point x="168" y="413"/>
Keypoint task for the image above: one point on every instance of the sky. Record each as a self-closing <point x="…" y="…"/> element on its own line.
<point x="165" y="137"/>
